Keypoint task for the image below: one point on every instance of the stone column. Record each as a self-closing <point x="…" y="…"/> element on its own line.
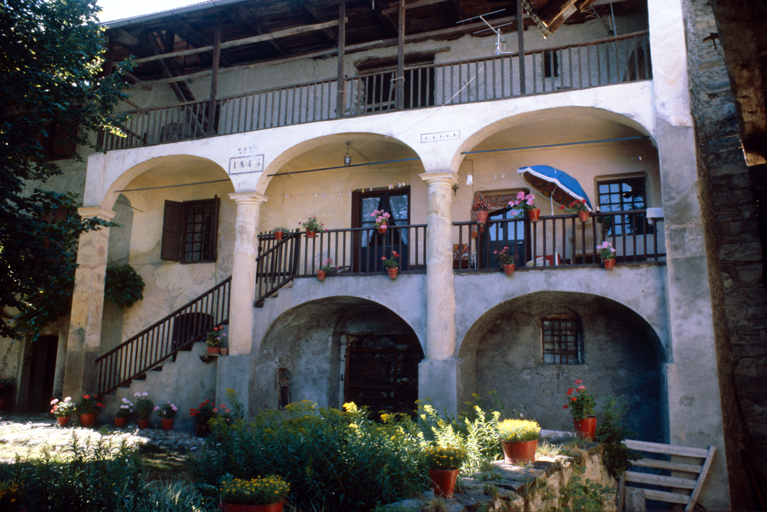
<point x="438" y="373"/>
<point x="694" y="402"/>
<point x="84" y="340"/>
<point x="244" y="271"/>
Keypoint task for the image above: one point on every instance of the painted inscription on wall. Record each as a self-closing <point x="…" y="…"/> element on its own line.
<point x="440" y="136"/>
<point x="246" y="164"/>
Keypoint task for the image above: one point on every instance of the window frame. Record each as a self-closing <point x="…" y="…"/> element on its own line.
<point x="610" y="219"/>
<point x="579" y="350"/>
<point x="176" y="229"/>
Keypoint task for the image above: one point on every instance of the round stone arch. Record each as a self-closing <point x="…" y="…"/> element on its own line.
<point x="334" y="349"/>
<point x="621" y="356"/>
<point x="329" y="150"/>
<point x="169" y="167"/>
<point x="555" y="115"/>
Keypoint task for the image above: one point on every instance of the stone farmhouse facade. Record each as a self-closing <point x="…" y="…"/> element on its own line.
<point x="316" y="115"/>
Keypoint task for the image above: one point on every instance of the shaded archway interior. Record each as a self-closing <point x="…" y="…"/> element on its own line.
<point x="340" y="349"/>
<point x="622" y="357"/>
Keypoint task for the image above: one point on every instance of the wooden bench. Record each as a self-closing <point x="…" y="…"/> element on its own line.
<point x="683" y="490"/>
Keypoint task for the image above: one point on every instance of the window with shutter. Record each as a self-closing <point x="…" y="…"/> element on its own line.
<point x="190" y="231"/>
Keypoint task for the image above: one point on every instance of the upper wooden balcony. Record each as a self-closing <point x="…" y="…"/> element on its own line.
<point x="599" y="63"/>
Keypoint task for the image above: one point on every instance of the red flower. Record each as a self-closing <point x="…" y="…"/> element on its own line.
<point x="215" y="409"/>
<point x="573" y="399"/>
<point x="99" y="404"/>
<point x="578" y="381"/>
<point x="581" y="388"/>
<point x="565" y="407"/>
<point x="570" y="391"/>
<point x="87" y="397"/>
<point x="395" y="254"/>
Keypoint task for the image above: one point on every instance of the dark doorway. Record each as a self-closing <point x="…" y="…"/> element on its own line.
<point x="503" y="229"/>
<point x="369" y="245"/>
<point x="41" y="358"/>
<point x="382" y="371"/>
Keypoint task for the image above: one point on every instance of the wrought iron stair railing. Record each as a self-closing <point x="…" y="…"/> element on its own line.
<point x="177" y="331"/>
<point x="276" y="264"/>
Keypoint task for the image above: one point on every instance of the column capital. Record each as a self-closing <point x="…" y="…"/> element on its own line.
<point x="247" y="198"/>
<point x="435" y="178"/>
<point x="88" y="212"/>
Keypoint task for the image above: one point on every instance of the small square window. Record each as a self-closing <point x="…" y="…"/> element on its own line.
<point x="562" y="341"/>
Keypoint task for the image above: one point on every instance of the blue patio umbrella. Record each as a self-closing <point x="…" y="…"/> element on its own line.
<point x="554" y="184"/>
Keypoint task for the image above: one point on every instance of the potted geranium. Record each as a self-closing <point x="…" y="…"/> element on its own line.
<point x="607" y="253"/>
<point x="144" y="409"/>
<point x="87" y="408"/>
<point x="326" y="269"/>
<point x="63" y="409"/>
<point x="391" y="264"/>
<point x="123" y="413"/>
<point x="481" y="209"/>
<point x="519" y="440"/>
<point x="166" y="412"/>
<point x="313" y="226"/>
<point x="581" y="404"/>
<point x="444" y="462"/>
<point x="525" y="203"/>
<point x="506" y="260"/>
<point x="382" y="220"/>
<point x="263" y="494"/>
<point x="214" y="339"/>
<point x="279" y="232"/>
<point x="580" y="207"/>
<point x="202" y="415"/>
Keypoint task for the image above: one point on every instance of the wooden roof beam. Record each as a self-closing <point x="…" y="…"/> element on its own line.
<point x="241" y="42"/>
<point x="309" y="10"/>
<point x="248" y="23"/>
<point x="194" y="38"/>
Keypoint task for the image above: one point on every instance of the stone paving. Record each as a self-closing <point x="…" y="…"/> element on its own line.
<point x="36" y="431"/>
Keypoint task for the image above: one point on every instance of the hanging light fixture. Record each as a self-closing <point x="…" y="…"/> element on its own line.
<point x="348" y="157"/>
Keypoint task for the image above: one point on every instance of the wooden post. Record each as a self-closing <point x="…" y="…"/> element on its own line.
<point x="214" y="80"/>
<point x="341" y="86"/>
<point x="401" y="56"/>
<point x="521" y="45"/>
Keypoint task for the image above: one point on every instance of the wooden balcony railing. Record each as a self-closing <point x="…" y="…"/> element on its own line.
<point x="604" y="62"/>
<point x="559" y="241"/>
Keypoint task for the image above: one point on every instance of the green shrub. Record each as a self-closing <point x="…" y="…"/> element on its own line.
<point x="87" y="478"/>
<point x="610" y="434"/>
<point x="339" y="460"/>
<point x="518" y="430"/>
<point x="123" y="286"/>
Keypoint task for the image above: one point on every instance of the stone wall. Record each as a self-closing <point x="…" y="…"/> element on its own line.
<point x="734" y="252"/>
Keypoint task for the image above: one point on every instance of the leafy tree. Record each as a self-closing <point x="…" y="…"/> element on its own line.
<point x="51" y="87"/>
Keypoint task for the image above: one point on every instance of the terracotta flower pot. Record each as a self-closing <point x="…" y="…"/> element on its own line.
<point x="224" y="351"/>
<point x="321" y="275"/>
<point x="443" y="481"/>
<point x="609" y="264"/>
<point x="392" y="273"/>
<point x="534" y="214"/>
<point x="88" y="420"/>
<point x="62" y="420"/>
<point x="201" y="430"/>
<point x="142" y="423"/>
<point x="214" y="350"/>
<point x="481" y="216"/>
<point x="278" y="235"/>
<point x="509" y="269"/>
<point x="519" y="452"/>
<point x="584" y="216"/>
<point x="586" y="428"/>
<point x="310" y="234"/>
<point x="382" y="228"/>
<point x="167" y="424"/>
<point x="231" y="507"/>
<point x="120" y="422"/>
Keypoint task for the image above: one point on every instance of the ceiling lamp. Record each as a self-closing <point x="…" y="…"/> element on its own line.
<point x="348" y="157"/>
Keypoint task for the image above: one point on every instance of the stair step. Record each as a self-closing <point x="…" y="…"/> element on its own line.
<point x="126" y="385"/>
<point x="156" y="369"/>
<point x="140" y="377"/>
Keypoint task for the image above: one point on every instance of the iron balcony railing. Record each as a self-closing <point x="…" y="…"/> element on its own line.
<point x="604" y="62"/>
<point x="163" y="340"/>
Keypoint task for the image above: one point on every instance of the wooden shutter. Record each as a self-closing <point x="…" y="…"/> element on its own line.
<point x="172" y="222"/>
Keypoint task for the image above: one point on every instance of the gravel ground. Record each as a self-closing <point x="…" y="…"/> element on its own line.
<point x="30" y="434"/>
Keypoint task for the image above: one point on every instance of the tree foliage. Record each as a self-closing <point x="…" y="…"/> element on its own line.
<point x="51" y="83"/>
